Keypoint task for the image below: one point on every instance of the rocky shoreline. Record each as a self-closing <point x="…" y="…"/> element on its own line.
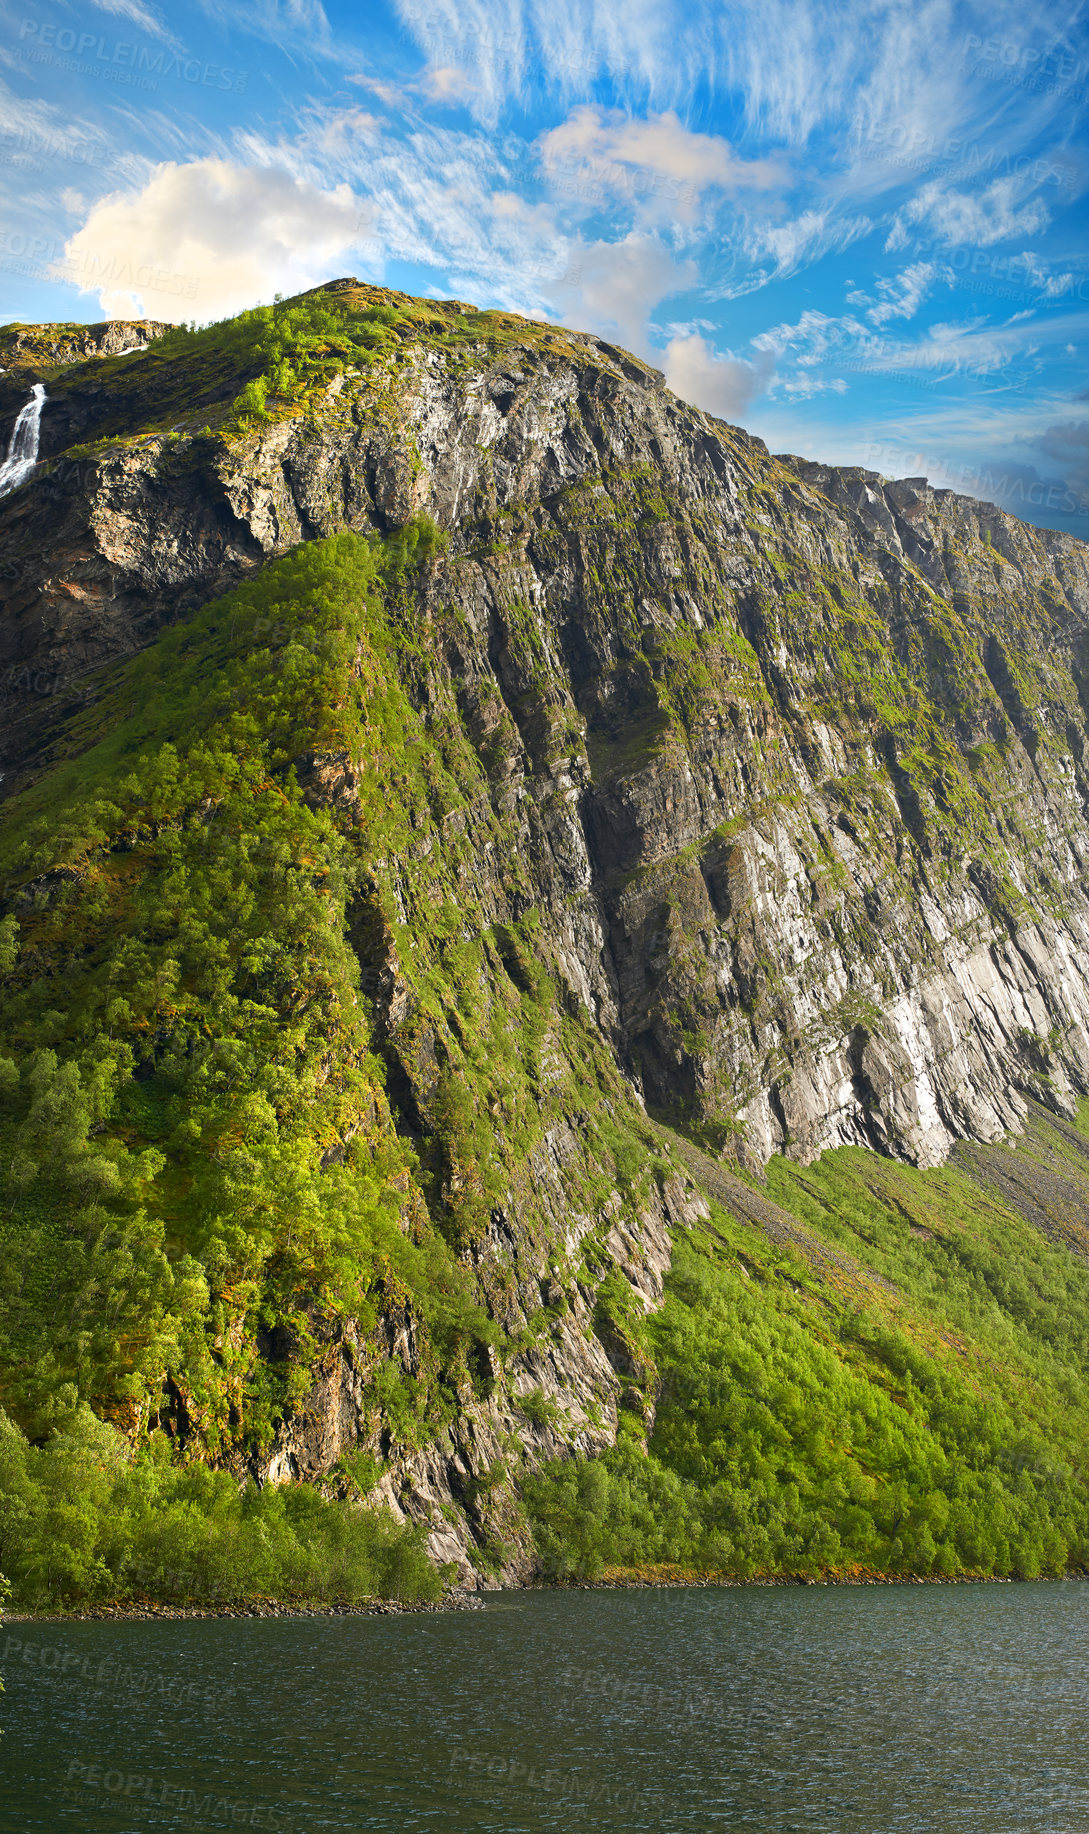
<point x="145" y="1611"/>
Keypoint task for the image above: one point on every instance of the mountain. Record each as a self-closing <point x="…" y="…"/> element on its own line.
<point x="546" y="953"/>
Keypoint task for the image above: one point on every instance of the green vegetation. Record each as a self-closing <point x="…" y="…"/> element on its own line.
<point x="295" y="345"/>
<point x="81" y="1521"/>
<point x="187" y="1033"/>
<point x="300" y="1070"/>
<point x="203" y="1178"/>
<point x="905" y="1391"/>
<point x="196" y="1151"/>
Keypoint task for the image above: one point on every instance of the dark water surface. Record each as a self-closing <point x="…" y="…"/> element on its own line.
<point x="819" y="1709"/>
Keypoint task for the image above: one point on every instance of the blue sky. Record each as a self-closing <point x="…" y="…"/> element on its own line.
<point x="856" y="228"/>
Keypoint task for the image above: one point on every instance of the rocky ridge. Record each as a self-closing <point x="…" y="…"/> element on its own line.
<point x="792" y="758"/>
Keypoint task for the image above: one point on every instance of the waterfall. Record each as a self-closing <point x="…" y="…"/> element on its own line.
<point x="23" y="450"/>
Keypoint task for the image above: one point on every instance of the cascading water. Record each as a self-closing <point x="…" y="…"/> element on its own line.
<point x="23" y="450"/>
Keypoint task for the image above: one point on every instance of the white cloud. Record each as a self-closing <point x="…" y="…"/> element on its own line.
<point x="511" y="46"/>
<point x="955" y="218"/>
<point x="443" y="84"/>
<point x="903" y="295"/>
<point x="941" y="440"/>
<point x="660" y="145"/>
<point x="815" y="343"/>
<point x="342" y="129"/>
<point x="209" y="238"/>
<point x="389" y="93"/>
<point x="788" y="242"/>
<point x="794" y="63"/>
<point x="614" y="286"/>
<point x="47" y="132"/>
<point x="1038" y="274"/>
<point x="974" y="348"/>
<point x="722" y="385"/>
<point x="803" y="385"/>
<point x="447" y="85"/>
<point x="872" y="90"/>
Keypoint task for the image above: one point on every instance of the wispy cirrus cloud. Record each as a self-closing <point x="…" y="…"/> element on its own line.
<point x="505" y="44"/>
<point x="979" y="348"/>
<point x="795" y="65"/>
<point x="899" y="295"/>
<point x="137" y="14"/>
<point x="800" y="240"/>
<point x="838" y="346"/>
<point x="814" y="337"/>
<point x="997" y="213"/>
<point x="296" y="27"/>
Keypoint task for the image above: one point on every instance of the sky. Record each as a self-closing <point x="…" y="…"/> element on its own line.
<point x="855" y="227"/>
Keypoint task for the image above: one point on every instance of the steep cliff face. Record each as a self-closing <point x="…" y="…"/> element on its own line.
<point x="781" y="768"/>
<point x="799" y="752"/>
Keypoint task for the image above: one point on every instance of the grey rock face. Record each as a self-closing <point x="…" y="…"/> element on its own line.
<point x="558" y="1396"/>
<point x="75" y="343"/>
<point x="846" y="970"/>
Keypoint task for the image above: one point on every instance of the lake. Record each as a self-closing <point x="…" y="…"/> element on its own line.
<point x="773" y="1710"/>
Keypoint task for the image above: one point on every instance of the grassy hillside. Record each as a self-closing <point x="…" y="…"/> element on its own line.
<point x="898" y="1384"/>
<point x="201" y="1168"/>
